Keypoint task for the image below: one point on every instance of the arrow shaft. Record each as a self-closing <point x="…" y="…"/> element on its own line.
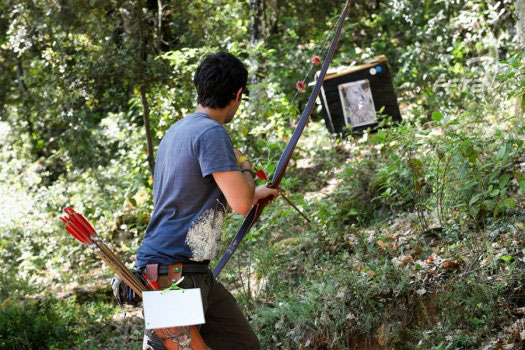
<point x="293" y="206"/>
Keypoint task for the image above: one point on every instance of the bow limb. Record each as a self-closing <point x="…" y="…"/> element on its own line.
<point x="249" y="221"/>
<point x="290" y="147"/>
<point x="257" y="209"/>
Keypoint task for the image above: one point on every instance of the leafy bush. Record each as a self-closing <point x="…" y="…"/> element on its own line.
<point x="38" y="325"/>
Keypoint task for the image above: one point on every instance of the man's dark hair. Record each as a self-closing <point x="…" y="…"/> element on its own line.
<point x="218" y="78"/>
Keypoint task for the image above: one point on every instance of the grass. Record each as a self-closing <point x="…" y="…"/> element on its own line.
<point x="398" y="257"/>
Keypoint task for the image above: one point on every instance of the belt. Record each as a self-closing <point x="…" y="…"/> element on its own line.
<point x="173" y="271"/>
<point x="186" y="268"/>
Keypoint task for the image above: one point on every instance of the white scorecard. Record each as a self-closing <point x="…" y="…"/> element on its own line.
<point x="173" y="308"/>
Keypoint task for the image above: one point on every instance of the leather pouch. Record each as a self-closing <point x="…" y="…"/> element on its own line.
<point x="152" y="272"/>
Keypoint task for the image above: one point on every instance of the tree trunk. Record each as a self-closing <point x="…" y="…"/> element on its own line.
<point x="256" y="35"/>
<point x="24" y="93"/>
<point x="141" y="86"/>
<point x="159" y="26"/>
<point x="256" y="27"/>
<point x="520" y="28"/>
<point x="520" y="9"/>
<point x="149" y="138"/>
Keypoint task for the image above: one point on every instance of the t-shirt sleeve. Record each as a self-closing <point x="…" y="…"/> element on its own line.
<point x="215" y="153"/>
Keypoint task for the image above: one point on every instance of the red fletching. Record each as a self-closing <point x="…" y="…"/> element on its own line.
<point x="300" y="85"/>
<point x="69" y="210"/>
<point x="261" y="174"/>
<point x="81" y="221"/>
<point x="75" y="234"/>
<point x="79" y="226"/>
<point x="315" y="60"/>
<point x="86" y="223"/>
<point x="154" y="285"/>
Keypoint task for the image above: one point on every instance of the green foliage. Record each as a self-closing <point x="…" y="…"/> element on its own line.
<point x="33" y="325"/>
<point x="513" y="77"/>
<point x="439" y="169"/>
<point x="390" y="209"/>
<point x="48" y="323"/>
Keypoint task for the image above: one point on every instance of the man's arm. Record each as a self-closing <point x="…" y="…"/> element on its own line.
<point x="239" y="188"/>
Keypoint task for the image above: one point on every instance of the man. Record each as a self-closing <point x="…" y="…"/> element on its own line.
<point x="198" y="174"/>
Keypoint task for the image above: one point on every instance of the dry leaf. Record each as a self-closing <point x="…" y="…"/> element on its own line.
<point x="417" y="251"/>
<point x="381" y="244"/>
<point x="405" y="259"/>
<point x="432" y="271"/>
<point x="450" y="264"/>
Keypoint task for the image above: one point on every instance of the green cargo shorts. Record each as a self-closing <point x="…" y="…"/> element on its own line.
<point x="226" y="328"/>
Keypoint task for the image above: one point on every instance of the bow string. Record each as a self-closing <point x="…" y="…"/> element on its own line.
<point x="257" y="209"/>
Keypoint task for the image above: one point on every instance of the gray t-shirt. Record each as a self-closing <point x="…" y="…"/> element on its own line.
<point x="189" y="207"/>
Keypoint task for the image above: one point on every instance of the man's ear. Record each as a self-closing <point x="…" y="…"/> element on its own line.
<point x="238" y="95"/>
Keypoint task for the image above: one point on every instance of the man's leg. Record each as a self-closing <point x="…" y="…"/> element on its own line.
<point x="152" y="342"/>
<point x="226" y="328"/>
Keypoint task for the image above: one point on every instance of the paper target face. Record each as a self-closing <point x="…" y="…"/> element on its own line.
<point x="358" y="103"/>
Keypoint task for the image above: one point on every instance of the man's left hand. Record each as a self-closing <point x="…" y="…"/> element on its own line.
<point x="264" y="191"/>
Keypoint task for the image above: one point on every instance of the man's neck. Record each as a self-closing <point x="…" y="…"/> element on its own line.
<point x="219" y="115"/>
